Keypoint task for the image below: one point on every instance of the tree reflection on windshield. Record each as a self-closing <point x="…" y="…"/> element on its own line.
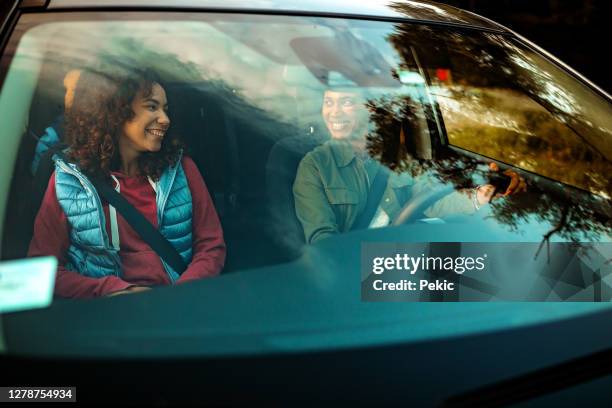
<point x="541" y="141"/>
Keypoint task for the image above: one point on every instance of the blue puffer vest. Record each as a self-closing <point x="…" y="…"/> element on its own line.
<point x="90" y="252"/>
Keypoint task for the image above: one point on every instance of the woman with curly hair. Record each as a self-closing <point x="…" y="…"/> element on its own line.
<point x="119" y="132"/>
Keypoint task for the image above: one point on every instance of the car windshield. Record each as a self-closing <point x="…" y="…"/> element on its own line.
<point x="292" y="123"/>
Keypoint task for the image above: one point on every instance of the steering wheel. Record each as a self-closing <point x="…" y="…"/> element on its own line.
<point x="414" y="208"/>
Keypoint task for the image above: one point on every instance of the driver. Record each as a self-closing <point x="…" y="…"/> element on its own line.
<point x="334" y="180"/>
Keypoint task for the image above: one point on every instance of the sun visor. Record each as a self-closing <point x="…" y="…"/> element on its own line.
<point x="344" y="61"/>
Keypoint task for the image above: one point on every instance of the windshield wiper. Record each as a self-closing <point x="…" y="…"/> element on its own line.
<point x="536" y="383"/>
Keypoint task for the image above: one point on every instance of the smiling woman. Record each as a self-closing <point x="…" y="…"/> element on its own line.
<point x="340" y="112"/>
<point x="146" y="131"/>
<point x="118" y="122"/>
<point x="119" y="132"/>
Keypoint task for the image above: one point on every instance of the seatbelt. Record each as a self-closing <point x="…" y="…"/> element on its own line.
<point x="139" y="223"/>
<point x="375" y="194"/>
<point x="112" y="211"/>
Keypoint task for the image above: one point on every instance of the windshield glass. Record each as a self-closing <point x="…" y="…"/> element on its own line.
<point x="275" y="146"/>
<point x="495" y="93"/>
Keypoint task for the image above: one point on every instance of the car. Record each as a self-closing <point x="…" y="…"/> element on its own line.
<point x="451" y="101"/>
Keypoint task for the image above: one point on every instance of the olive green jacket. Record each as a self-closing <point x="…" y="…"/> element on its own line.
<point x="331" y="189"/>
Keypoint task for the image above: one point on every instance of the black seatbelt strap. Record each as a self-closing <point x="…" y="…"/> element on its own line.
<point x="377" y="189"/>
<point x="139" y="223"/>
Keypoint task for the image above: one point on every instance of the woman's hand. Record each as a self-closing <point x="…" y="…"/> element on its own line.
<point x="484" y="193"/>
<point x="517" y="183"/>
<point x="131" y="289"/>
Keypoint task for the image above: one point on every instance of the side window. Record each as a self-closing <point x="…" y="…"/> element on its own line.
<point x="511" y="127"/>
<point x="507" y="103"/>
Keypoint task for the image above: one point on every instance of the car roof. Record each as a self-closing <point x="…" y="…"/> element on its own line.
<point x="420" y="10"/>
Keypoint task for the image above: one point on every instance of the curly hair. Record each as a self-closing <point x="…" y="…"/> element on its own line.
<point x="94" y="122"/>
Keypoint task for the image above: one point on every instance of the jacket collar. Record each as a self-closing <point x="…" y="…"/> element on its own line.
<point x="344" y="154"/>
<point x="342" y="151"/>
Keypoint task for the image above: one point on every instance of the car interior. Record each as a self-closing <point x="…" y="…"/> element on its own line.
<point x="248" y="157"/>
<point x="222" y="146"/>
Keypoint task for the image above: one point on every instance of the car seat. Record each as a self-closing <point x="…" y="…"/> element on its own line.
<point x="210" y="140"/>
<point x="281" y="168"/>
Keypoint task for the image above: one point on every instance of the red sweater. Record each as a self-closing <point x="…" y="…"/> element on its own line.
<point x="140" y="264"/>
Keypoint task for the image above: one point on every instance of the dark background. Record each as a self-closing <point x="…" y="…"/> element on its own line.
<point x="579" y="32"/>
